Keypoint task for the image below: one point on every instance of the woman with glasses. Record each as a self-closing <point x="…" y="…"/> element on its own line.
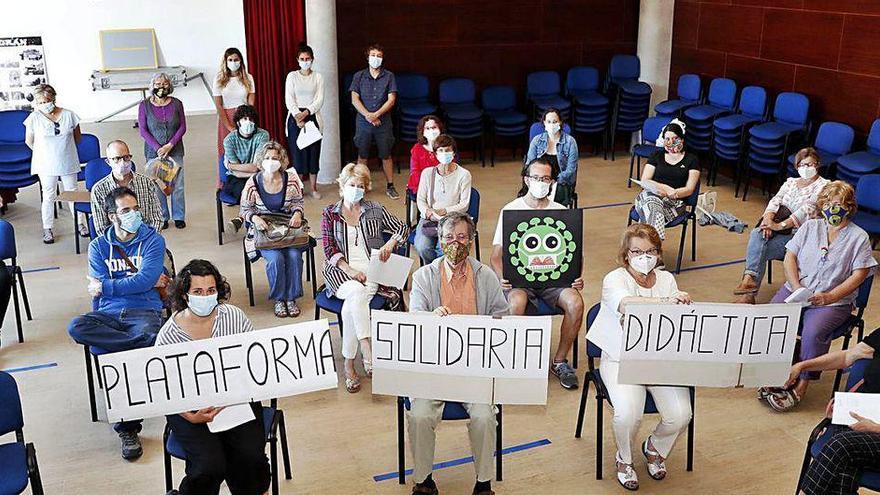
<point x="670" y="177"/>
<point x="52" y="133"/>
<point x="637" y="280"/>
<point x="825" y="263"/>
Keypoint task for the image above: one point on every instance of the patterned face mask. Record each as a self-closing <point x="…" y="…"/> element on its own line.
<point x="835" y="215"/>
<point x="674" y="145"/>
<point x="456" y="251"/>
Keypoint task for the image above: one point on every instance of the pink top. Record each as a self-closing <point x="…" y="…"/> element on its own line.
<point x="801" y="201"/>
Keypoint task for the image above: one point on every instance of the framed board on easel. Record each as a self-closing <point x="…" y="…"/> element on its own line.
<point x="128" y="49"/>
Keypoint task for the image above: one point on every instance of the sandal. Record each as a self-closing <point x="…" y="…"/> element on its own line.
<point x="765" y="392"/>
<point x="353" y="385"/>
<point x="368" y="368"/>
<point x="292" y="309"/>
<point x="628" y="478"/>
<point x="84" y="231"/>
<point x="281" y="309"/>
<point x="657" y="468"/>
<point x="784" y="400"/>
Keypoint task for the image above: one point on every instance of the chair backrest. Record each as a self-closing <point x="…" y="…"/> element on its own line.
<point x="593" y="350"/>
<point x="874" y="138"/>
<point x="692" y="199"/>
<point x="753" y="101"/>
<point x="689" y="87"/>
<point x="474" y="205"/>
<point x="791" y="108"/>
<point x="538" y="128"/>
<point x="868" y="192"/>
<point x="457" y="90"/>
<point x="543" y="83"/>
<point x="864" y="293"/>
<point x="96" y="169"/>
<point x="857" y="372"/>
<point x="7" y="241"/>
<point x="11" y="418"/>
<point x="623" y="68"/>
<point x="412" y="86"/>
<point x="722" y="93"/>
<point x="835" y="138"/>
<point x="495" y="98"/>
<point x="581" y="78"/>
<point x="652" y="127"/>
<point x="12" y="126"/>
<point x="88" y="148"/>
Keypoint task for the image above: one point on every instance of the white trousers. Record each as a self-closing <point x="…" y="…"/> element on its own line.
<point x="673" y="403"/>
<point x="355" y="314"/>
<point x="424" y="416"/>
<point x="48" y="183"/>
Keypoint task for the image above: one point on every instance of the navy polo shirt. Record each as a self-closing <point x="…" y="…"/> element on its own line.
<point x="373" y="91"/>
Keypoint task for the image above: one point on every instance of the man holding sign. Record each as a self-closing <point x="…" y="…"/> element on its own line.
<point x="454" y="284"/>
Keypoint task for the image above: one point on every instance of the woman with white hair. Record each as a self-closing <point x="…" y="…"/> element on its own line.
<point x="52" y="133"/>
<point x="162" y="124"/>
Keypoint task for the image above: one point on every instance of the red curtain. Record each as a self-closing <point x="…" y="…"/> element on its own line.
<point x="272" y="31"/>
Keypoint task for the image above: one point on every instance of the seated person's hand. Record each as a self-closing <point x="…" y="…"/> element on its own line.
<point x="863" y="424"/>
<point x="822" y="299"/>
<point x="385" y="251"/>
<point x="204" y="415"/>
<point x="440" y="212"/>
<point x="95" y="286"/>
<point x="296" y="220"/>
<point x="505" y="284"/>
<point x="578" y="284"/>
<point x="163" y="281"/>
<point x="442" y="311"/>
<point x="357" y="275"/>
<point x="793" y="376"/>
<point x="682" y="297"/>
<point x="429" y="214"/>
<point x="259" y="223"/>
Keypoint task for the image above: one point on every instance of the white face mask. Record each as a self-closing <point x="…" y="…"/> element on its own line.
<point x="644" y="263"/>
<point x="121" y="169"/>
<point x="807" y="171"/>
<point x="552" y="128"/>
<point x="352" y="194"/>
<point x="538" y="189"/>
<point x="233" y="65"/>
<point x="445" y="157"/>
<point x="246" y="127"/>
<point x="271" y="166"/>
<point x="305" y="64"/>
<point x="47" y="107"/>
<point x="201" y="305"/>
<point x="374" y="61"/>
<point x="431" y="134"/>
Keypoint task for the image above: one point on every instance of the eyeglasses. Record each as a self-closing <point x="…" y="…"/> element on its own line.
<point x="639" y="252"/>
<point x="57" y="128"/>
<point x="123" y="211"/>
<point x="119" y="159"/>
<point x="459" y="237"/>
<point x="545" y="179"/>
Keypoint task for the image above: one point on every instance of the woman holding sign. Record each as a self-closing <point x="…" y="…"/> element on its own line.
<point x="638" y="281"/>
<point x="236" y="455"/>
<point x="353" y="230"/>
<point x="825" y="262"/>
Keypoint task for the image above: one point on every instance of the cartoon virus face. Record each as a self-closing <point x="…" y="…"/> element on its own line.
<point x="541" y="249"/>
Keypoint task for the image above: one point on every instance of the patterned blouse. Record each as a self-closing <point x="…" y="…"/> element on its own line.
<point x="800" y="201"/>
<point x="252" y="204"/>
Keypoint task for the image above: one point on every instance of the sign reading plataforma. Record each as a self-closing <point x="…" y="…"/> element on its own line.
<point x="465" y="358"/>
<point x="716" y="345"/>
<point x="263" y="364"/>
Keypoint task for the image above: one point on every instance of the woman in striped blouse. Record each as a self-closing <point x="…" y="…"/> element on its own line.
<point x="351" y="230"/>
<point x="236" y="455"/>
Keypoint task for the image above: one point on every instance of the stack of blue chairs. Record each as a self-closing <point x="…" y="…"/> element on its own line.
<point x="700" y="119"/>
<point x="413" y="103"/>
<point x="543" y="91"/>
<point x="499" y="105"/>
<point x="631" y="97"/>
<point x="769" y="142"/>
<point x="15" y="156"/>
<point x="833" y="140"/>
<point x="690" y="93"/>
<point x="852" y="166"/>
<point x="729" y="137"/>
<point x="590" y="106"/>
<point x="464" y="119"/>
<point x="868" y="199"/>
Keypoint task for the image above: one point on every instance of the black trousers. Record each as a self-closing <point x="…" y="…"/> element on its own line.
<point x="234" y="186"/>
<point x="237" y="456"/>
<point x="840" y="463"/>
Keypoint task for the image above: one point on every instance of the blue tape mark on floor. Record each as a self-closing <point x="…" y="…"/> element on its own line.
<point x="334" y="323"/>
<point x="466" y="460"/>
<point x="714" y="265"/>
<point x="46" y="269"/>
<point x="30" y="368"/>
<point x="609" y="205"/>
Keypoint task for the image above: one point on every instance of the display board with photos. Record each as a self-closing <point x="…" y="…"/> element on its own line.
<point x="22" y="67"/>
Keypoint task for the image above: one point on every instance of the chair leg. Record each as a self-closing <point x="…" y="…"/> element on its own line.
<point x="804" y="465"/>
<point x="632" y="162"/>
<point x="91" y="384"/>
<point x="499" y="446"/>
<point x="24" y="296"/>
<point x="681" y="248"/>
<point x="249" y="280"/>
<point x="599" y="420"/>
<point x="690" y="441"/>
<point x="694" y="239"/>
<point x="747" y="180"/>
<point x="220" y="228"/>
<point x="769" y="271"/>
<point x="574" y="353"/>
<point x="285" y="451"/>
<point x="273" y="463"/>
<point x="313" y="277"/>
<point x="477" y="245"/>
<point x="401" y="454"/>
<point x="17" y="310"/>
<point x="34" y="468"/>
<point x="75" y="233"/>
<point x="583" y="407"/>
<point x="98" y="372"/>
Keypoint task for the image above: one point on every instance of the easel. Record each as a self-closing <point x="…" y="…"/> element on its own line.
<point x="143" y="91"/>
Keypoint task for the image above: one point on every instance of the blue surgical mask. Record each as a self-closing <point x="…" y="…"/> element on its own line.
<point x="246" y="127"/>
<point x="130" y="221"/>
<point x="201" y="305"/>
<point x="374" y="61"/>
<point x="835" y="215"/>
<point x="445" y="157"/>
<point x="352" y="194"/>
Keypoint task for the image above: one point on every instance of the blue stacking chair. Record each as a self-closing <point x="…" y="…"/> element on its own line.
<point x="769" y="142"/>
<point x="582" y="86"/>
<point x="88" y="149"/>
<point x="18" y="460"/>
<point x="413" y="103"/>
<point x="646" y="145"/>
<point x="543" y="91"/>
<point x="690" y="93"/>
<point x="308" y="265"/>
<point x="473" y="212"/>
<point x="464" y="119"/>
<point x="15" y="155"/>
<point x="593" y="375"/>
<point x="452" y="411"/>
<point x="499" y="106"/>
<point x="9" y="251"/>
<point x="689" y="216"/>
<point x="95" y="170"/>
<point x="223" y="198"/>
<point x="728" y="132"/>
<point x="273" y="423"/>
<point x="833" y="140"/>
<point x="868" y="199"/>
<point x="700" y="118"/>
<point x="823" y="432"/>
<point x="854" y="165"/>
<point x="631" y="98"/>
<point x="621" y="69"/>
<point x="855" y="321"/>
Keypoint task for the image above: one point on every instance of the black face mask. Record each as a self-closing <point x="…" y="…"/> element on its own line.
<point x="161" y="92"/>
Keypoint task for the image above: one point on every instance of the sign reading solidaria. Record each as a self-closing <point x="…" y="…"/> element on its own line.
<point x="721" y="333"/>
<point x="464" y="345"/>
<point x="263" y="364"/>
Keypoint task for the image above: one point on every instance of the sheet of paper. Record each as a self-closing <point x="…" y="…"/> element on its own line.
<point x="645" y="185"/>
<point x="308" y="135"/>
<point x="865" y="405"/>
<point x="230" y="417"/>
<point x="800" y="296"/>
<point x="391" y="273"/>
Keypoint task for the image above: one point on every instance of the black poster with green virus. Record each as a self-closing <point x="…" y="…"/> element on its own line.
<point x="542" y="248"/>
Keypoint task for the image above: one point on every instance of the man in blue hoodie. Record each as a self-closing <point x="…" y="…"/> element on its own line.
<point x="125" y="267"/>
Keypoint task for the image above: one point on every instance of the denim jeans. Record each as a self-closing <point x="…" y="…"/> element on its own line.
<point x="761" y="250"/>
<point x="178" y="199"/>
<point x="284" y="270"/>
<point x="115" y="332"/>
<point x="427" y="247"/>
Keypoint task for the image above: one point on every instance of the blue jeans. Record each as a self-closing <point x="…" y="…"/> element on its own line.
<point x="114" y="332"/>
<point x="178" y="199"/>
<point x="427" y="247"/>
<point x="761" y="250"/>
<point x="284" y="271"/>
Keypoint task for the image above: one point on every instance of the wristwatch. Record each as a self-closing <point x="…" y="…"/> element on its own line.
<point x="784" y="224"/>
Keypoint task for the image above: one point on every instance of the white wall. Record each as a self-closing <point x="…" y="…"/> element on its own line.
<point x="192" y="33"/>
<point x="655" y="45"/>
